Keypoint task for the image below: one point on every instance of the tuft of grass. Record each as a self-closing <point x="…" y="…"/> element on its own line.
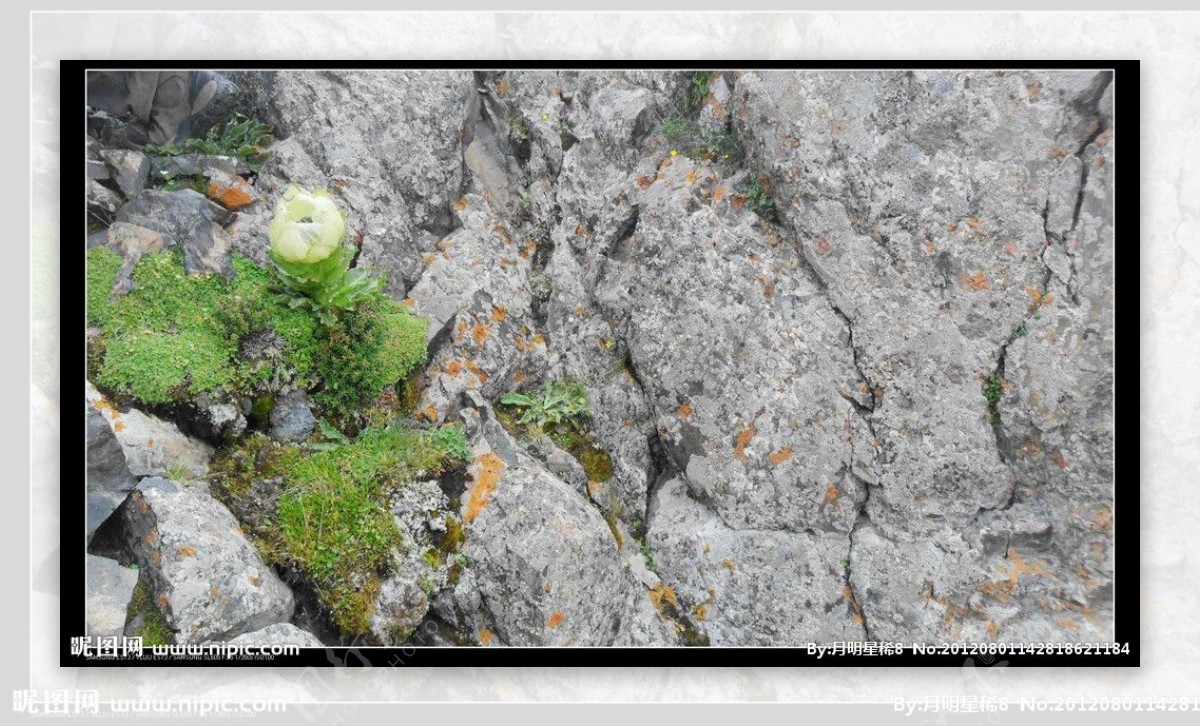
<point x="559" y="410"/>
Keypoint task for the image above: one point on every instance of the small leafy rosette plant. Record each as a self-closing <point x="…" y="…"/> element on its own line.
<point x="312" y="262"/>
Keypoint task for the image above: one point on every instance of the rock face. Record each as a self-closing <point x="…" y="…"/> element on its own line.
<point x="108" y="478"/>
<point x="152" y="447"/>
<point x="544" y="567"/>
<point x="187" y="220"/>
<point x="847" y="339"/>
<point x="109" y="590"/>
<point x="207" y="580"/>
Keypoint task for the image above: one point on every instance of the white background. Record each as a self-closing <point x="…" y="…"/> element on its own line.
<point x="1168" y="335"/>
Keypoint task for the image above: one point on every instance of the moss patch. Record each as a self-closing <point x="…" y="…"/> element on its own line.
<point x="331" y="521"/>
<point x="153" y="629"/>
<point x="177" y="335"/>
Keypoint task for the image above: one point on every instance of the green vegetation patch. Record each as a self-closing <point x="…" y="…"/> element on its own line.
<point x="331" y="521"/>
<point x="559" y="410"/>
<point x="153" y="628"/>
<point x="177" y="335"/>
<point x="238" y="136"/>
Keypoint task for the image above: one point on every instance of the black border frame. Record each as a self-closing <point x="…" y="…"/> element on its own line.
<point x="72" y="301"/>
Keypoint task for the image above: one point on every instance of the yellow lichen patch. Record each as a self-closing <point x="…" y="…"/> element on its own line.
<point x="499" y="313"/>
<point x="743" y="440"/>
<point x="501" y="87"/>
<point x="519" y="377"/>
<point x="728" y="563"/>
<point x="692" y="176"/>
<point x="186" y="551"/>
<point x="488" y="468"/>
<point x="977" y="281"/>
<point x="781" y="456"/>
<point x="480" y="333"/>
<point x="428" y="258"/>
<point x="993" y="630"/>
<point x="461" y="204"/>
<point x="686" y="411"/>
<point x="538" y="340"/>
<point x="555" y="619"/>
<point x="831" y="493"/>
<point x="700" y="611"/>
<point x="661" y="594"/>
<point x="485" y="637"/>
<point x="718" y="194"/>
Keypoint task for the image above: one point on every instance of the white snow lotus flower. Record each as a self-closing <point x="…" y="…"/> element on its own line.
<point x="310" y="258"/>
<point x="308" y="227"/>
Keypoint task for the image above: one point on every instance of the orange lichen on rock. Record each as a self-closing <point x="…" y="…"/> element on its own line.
<point x="686" y="411"/>
<point x="485" y="637"/>
<point x="454" y="367"/>
<point x="499" y="313"/>
<point x="488" y="469"/>
<point x="231" y="191"/>
<point x="832" y="493"/>
<point x="743" y="440"/>
<point x="729" y="564"/>
<point x="187" y="551"/>
<point x="1102" y="518"/>
<point x="977" y="281"/>
<point x="480" y="334"/>
<point x="555" y="619"/>
<point x="781" y="456"/>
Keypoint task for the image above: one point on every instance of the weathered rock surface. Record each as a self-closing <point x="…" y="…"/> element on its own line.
<point x="130" y="169"/>
<point x="109" y="590"/>
<point x="187" y="220"/>
<point x="152" y="447"/>
<point x="274" y="634"/>
<point x="108" y="478"/>
<point x="853" y="371"/>
<point x="292" y="419"/>
<point x="208" y="581"/>
<point x="544" y="568"/>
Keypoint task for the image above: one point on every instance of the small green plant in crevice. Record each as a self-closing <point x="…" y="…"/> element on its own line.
<point x="311" y="258"/>
<point x="153" y="628"/>
<point x="695" y="93"/>
<point x="452" y="440"/>
<point x="649" y="558"/>
<point x="557" y="403"/>
<point x="1022" y="330"/>
<point x="238" y="136"/>
<point x="846" y="566"/>
<point x="558" y="410"/>
<point x="758" y="198"/>
<point x="993" y="391"/>
<point x="331" y="522"/>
